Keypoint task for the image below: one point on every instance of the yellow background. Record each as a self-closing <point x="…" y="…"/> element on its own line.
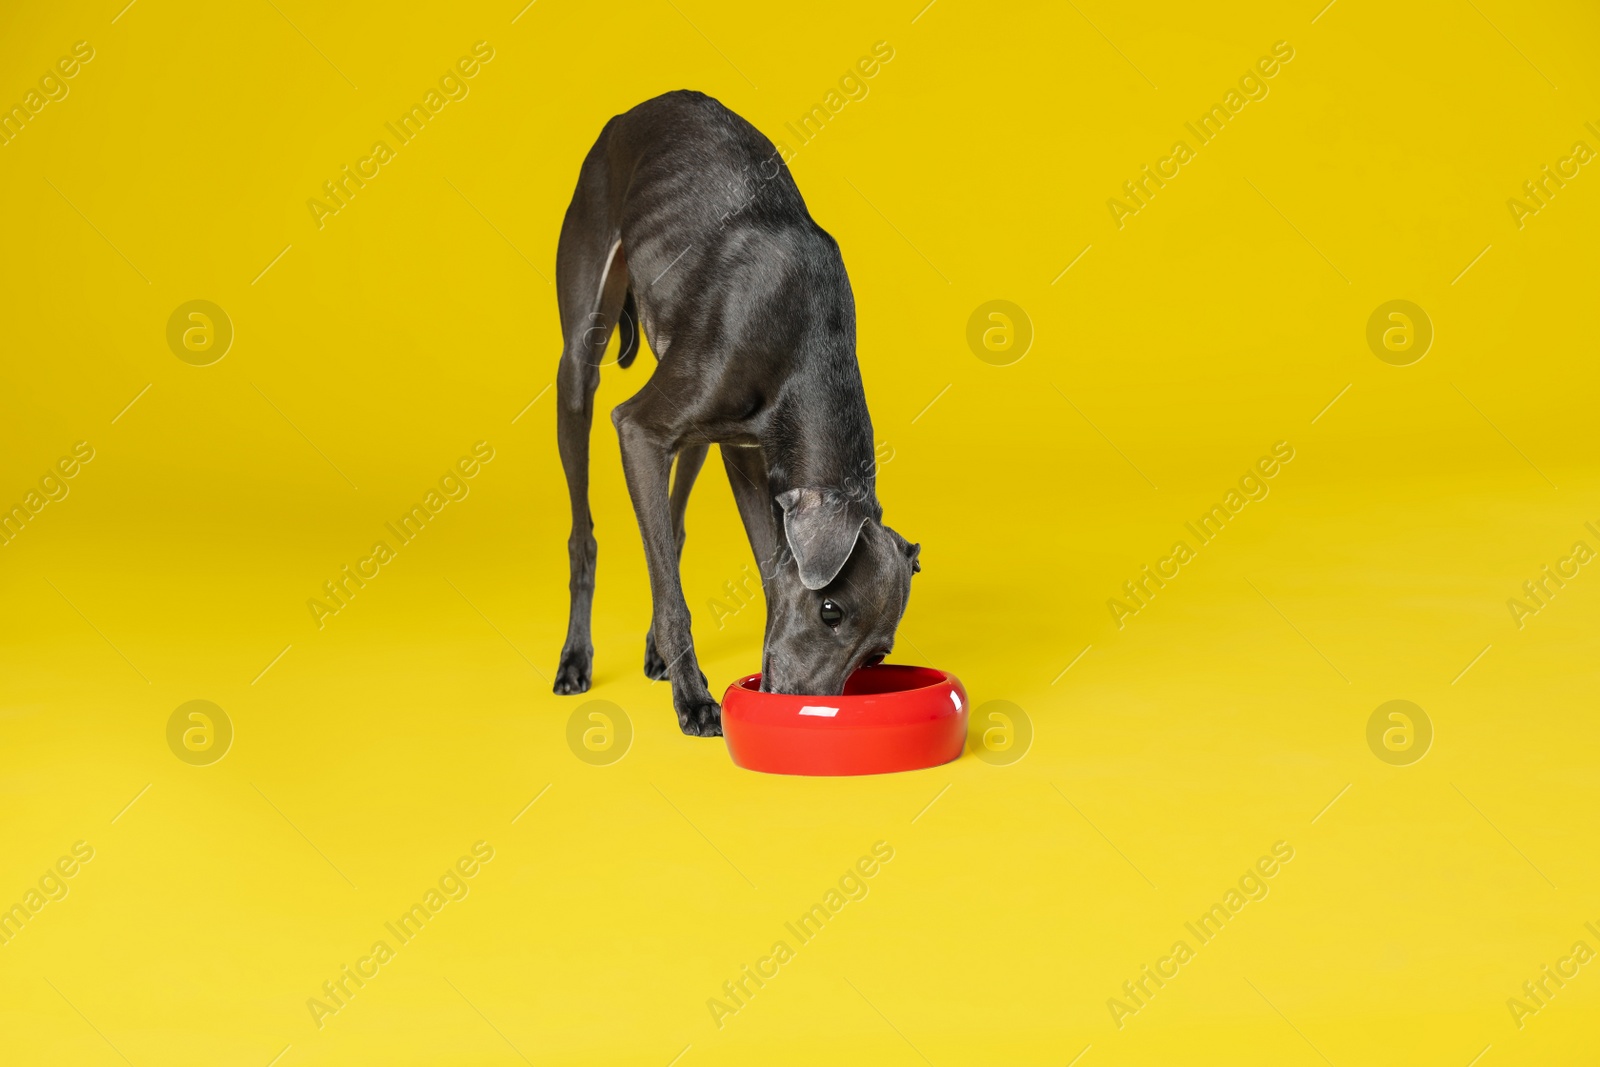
<point x="1224" y="717"/>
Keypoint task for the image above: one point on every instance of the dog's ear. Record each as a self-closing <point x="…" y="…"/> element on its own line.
<point x="821" y="526"/>
<point x="908" y="550"/>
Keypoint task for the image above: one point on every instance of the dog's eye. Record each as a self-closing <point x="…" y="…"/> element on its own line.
<point x="831" y="613"/>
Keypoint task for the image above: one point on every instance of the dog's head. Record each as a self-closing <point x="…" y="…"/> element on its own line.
<point x="836" y="596"/>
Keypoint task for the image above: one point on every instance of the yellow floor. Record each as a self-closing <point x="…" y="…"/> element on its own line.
<point x="1386" y="885"/>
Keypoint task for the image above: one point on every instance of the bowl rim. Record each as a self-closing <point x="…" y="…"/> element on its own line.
<point x="942" y="678"/>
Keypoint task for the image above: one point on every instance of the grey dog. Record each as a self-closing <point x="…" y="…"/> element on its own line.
<point x="686" y="223"/>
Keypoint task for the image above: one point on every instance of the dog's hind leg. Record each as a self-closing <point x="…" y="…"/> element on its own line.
<point x="591" y="286"/>
<point x="690" y="460"/>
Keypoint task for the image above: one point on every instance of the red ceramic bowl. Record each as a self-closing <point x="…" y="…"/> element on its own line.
<point x="891" y="718"/>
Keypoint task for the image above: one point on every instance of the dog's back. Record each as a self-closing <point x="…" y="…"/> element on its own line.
<point x="710" y="165"/>
<point x="718" y="243"/>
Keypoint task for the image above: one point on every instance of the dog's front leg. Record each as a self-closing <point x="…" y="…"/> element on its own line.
<point x="647" y="463"/>
<point x="747" y="475"/>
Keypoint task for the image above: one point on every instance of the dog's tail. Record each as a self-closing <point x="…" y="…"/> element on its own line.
<point x="628" y="344"/>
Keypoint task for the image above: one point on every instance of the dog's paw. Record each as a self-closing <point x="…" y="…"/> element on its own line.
<point x="700" y="718"/>
<point x="574" y="673"/>
<point x="654" y="666"/>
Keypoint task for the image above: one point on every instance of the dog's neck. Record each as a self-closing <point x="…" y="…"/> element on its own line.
<point x="825" y="446"/>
